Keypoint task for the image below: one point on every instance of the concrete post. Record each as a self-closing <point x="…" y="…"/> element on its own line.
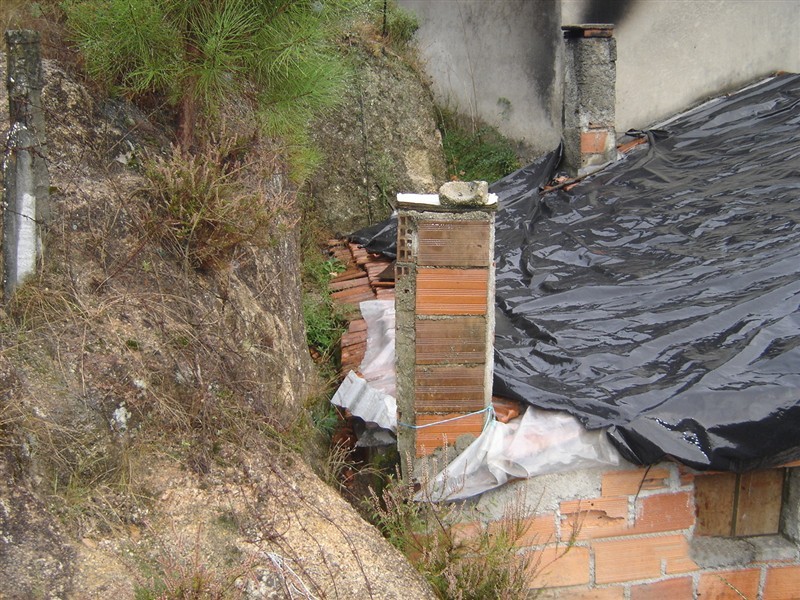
<point x="25" y="177"/>
<point x="590" y="55"/>
<point x="444" y="316"/>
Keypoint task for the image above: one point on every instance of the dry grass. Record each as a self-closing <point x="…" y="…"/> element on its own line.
<point x="116" y="350"/>
<point x="481" y="566"/>
<point x="225" y="194"/>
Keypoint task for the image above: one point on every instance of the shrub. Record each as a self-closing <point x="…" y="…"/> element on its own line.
<point x="209" y="202"/>
<point x="324" y="322"/>
<point x="459" y="567"/>
<point x="277" y="56"/>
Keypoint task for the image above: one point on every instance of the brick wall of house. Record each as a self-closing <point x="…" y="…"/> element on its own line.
<point x="634" y="540"/>
<point x="618" y="533"/>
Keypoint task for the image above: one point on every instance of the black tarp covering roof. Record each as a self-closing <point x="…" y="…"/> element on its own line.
<point x="660" y="298"/>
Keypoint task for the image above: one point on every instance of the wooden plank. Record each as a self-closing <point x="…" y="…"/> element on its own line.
<point x="759" y="502"/>
<point x="714" y="500"/>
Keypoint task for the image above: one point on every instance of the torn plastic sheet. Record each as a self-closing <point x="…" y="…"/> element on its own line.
<point x="660" y="297"/>
<point x="371" y="396"/>
<point x="536" y="443"/>
<point x="366" y="402"/>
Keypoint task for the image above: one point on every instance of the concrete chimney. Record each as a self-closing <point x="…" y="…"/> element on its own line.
<point x="590" y="55"/>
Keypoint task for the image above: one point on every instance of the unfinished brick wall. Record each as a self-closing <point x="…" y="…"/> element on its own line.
<point x="445" y="320"/>
<point x="637" y="539"/>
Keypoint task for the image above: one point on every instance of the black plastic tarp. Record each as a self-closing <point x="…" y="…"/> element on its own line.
<point x="660" y="298"/>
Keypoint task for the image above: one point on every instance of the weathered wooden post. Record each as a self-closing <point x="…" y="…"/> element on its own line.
<point x="25" y="178"/>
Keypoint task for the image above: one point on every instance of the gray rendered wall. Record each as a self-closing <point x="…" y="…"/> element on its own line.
<point x="672" y="55"/>
<point x="498" y="59"/>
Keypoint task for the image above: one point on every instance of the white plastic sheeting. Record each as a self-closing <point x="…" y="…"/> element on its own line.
<point x="536" y="443"/>
<point x="366" y="402"/>
<point x="378" y="364"/>
<point x="371" y="397"/>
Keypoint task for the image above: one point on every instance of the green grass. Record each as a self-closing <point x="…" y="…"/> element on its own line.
<point x="474" y="151"/>
<point x="324" y="321"/>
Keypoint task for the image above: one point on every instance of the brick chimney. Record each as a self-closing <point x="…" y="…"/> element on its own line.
<point x="590" y="74"/>
<point x="445" y="316"/>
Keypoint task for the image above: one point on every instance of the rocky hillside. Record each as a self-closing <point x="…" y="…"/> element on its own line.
<point x="382" y="139"/>
<point x="152" y="414"/>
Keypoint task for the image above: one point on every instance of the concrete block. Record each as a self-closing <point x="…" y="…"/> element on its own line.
<point x="716" y="552"/>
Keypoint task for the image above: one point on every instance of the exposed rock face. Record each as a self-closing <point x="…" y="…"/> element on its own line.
<point x="380" y="141"/>
<point x="36" y="558"/>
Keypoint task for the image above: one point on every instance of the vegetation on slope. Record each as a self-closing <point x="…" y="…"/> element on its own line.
<point x="276" y="57"/>
<point x="161" y="330"/>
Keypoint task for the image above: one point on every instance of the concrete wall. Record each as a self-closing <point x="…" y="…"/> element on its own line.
<point x="499" y="59"/>
<point x="671" y="55"/>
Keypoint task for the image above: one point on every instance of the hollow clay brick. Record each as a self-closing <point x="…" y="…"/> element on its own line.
<point x="783" y="583"/>
<point x="729" y="585"/>
<point x="431" y="438"/>
<point x="593" y="142"/>
<point x="594" y="518"/>
<point x="629" y="483"/>
<point x="560" y="566"/>
<point x="452" y="291"/>
<point x="669" y="588"/>
<point x="449" y="388"/>
<point x="664" y="512"/>
<point x="538" y="531"/>
<point x="571" y="593"/>
<point x="456" y="340"/>
<point x="454" y="244"/>
<point x="634" y="558"/>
